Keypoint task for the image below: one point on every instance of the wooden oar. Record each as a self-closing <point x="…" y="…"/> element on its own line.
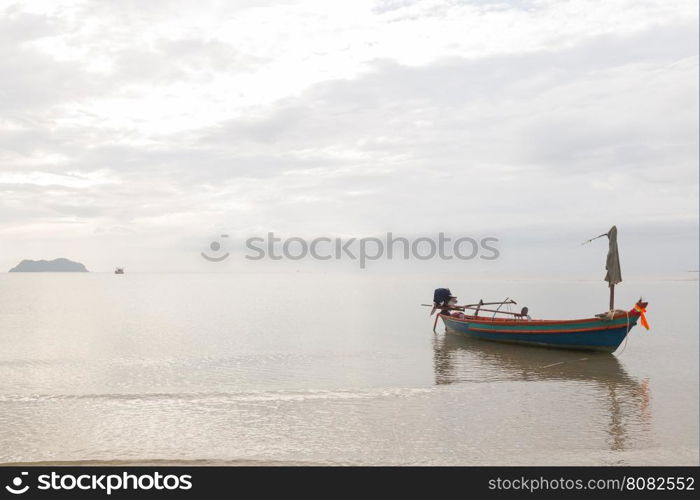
<point x="509" y="301"/>
<point x="462" y="308"/>
<point x="496" y="311"/>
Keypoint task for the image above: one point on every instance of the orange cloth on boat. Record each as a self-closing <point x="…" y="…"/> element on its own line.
<point x="642" y="316"/>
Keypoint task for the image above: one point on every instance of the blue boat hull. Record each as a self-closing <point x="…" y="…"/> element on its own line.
<point x="606" y="340"/>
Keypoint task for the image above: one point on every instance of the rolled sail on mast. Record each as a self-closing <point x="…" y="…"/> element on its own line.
<point x="612" y="263"/>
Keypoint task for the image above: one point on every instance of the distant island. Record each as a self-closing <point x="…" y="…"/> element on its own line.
<point x="49" y="266"/>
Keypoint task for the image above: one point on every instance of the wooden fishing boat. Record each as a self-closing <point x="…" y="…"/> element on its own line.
<point x="603" y="332"/>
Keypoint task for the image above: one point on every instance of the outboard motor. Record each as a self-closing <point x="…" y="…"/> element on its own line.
<point x="442" y="296"/>
<point x="442" y="299"/>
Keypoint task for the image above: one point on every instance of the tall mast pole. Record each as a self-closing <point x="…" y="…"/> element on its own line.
<point x="612" y="297"/>
<point x="612" y="263"/>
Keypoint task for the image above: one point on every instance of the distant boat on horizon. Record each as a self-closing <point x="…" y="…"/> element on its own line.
<point x="119" y="270"/>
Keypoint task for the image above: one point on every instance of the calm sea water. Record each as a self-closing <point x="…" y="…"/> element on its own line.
<point x="332" y="369"/>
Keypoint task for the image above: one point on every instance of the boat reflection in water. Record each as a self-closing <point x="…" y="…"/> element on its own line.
<point x="625" y="399"/>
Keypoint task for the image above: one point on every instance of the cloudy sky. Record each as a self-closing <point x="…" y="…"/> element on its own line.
<point x="133" y="133"/>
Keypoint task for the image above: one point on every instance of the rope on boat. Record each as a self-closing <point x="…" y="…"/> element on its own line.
<point x="627" y="333"/>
